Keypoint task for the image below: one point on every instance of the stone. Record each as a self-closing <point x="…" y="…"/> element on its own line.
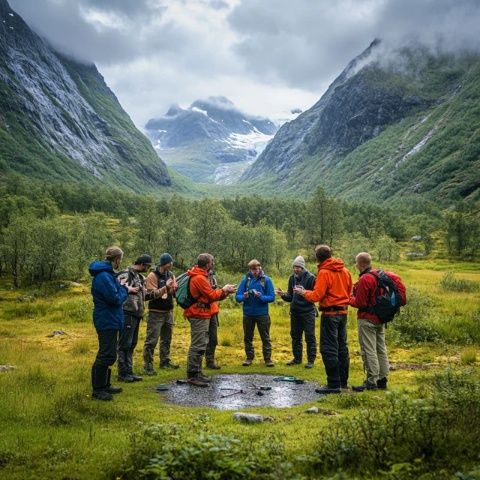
<point x="6" y="368"/>
<point x="248" y="417"/>
<point x="312" y="410"/>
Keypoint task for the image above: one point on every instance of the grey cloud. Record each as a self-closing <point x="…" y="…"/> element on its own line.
<point x="303" y="43"/>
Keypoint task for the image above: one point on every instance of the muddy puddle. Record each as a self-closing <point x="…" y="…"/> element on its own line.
<point x="234" y="392"/>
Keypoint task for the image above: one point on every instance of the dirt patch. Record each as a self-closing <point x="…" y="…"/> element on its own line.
<point x="234" y="392"/>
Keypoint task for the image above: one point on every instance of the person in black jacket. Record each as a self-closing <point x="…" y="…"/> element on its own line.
<point x="302" y="313"/>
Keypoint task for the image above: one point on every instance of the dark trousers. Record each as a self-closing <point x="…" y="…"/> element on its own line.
<point x="334" y="349"/>
<point x="126" y="344"/>
<point x="301" y="323"/>
<point x="106" y="356"/>
<point x="212" y="339"/>
<point x="263" y="325"/>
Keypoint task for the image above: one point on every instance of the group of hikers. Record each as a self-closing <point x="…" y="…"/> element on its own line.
<point x="119" y="303"/>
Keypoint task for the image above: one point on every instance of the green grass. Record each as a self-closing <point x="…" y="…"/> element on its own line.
<point x="51" y="428"/>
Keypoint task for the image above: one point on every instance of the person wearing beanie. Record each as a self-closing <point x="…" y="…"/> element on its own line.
<point x="108" y="294"/>
<point x="302" y="313"/>
<point x="161" y="286"/>
<point x="133" y="309"/>
<point x="332" y="290"/>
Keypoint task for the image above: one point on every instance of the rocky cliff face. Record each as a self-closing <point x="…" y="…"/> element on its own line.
<point x="58" y="118"/>
<point x="366" y="131"/>
<point x="210" y="141"/>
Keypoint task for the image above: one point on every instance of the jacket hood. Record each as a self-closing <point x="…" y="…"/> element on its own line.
<point x="100" y="266"/>
<point x="260" y="275"/>
<point x="334" y="264"/>
<point x="196" y="270"/>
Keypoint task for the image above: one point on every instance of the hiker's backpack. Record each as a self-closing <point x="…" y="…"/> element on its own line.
<point x="182" y="294"/>
<point x="390" y="295"/>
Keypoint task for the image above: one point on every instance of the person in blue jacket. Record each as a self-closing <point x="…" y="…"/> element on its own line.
<point x="256" y="292"/>
<point x="108" y="298"/>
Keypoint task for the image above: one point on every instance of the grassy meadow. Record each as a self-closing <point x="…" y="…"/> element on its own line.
<point x="51" y="428"/>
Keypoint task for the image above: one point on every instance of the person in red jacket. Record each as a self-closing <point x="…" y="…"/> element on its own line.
<point x="332" y="290"/>
<point x="199" y="315"/>
<point x="371" y="331"/>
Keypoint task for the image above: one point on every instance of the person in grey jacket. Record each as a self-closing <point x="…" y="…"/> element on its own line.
<point x="133" y="309"/>
<point x="302" y="313"/>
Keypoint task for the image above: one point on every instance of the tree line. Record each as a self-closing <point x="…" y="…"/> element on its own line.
<point x="52" y="231"/>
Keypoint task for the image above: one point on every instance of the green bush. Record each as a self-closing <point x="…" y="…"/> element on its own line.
<point x="164" y="452"/>
<point x="452" y="284"/>
<point x="413" y="324"/>
<point x="404" y="437"/>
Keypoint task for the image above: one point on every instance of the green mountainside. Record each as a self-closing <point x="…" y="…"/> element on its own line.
<point x="59" y="121"/>
<point x="387" y="128"/>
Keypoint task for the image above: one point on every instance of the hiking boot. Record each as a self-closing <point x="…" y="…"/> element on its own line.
<point x="309" y="365"/>
<point x="213" y="366"/>
<point x="294" y="361"/>
<point x="365" y="386"/>
<point x="197" y="382"/>
<point x="114" y="390"/>
<point x="125" y="378"/>
<point x="136" y="378"/>
<point x="382" y="383"/>
<point x="102" y="395"/>
<point x="269" y="363"/>
<point x="204" y="378"/>
<point x="169" y="365"/>
<point x="247" y="362"/>
<point x="149" y="370"/>
<point x="327" y="390"/>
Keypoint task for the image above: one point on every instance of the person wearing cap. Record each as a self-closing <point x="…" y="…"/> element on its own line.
<point x="108" y="294"/>
<point x="332" y="290"/>
<point x="161" y="286"/>
<point x="256" y="292"/>
<point x="302" y="313"/>
<point x="133" y="309"/>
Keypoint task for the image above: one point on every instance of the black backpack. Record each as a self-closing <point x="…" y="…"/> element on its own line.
<point x="388" y="298"/>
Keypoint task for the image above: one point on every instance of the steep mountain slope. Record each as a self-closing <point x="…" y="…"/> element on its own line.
<point x="388" y="127"/>
<point x="60" y="121"/>
<point x="211" y="141"/>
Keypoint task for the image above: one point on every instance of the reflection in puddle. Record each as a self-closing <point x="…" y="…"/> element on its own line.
<point x="232" y="392"/>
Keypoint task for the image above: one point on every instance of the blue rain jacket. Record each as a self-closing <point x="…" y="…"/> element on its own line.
<point x="108" y="297"/>
<point x="253" y="306"/>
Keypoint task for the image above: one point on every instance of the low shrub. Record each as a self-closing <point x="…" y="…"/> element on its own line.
<point x="451" y="283"/>
<point x="468" y="356"/>
<point x="163" y="452"/>
<point x="406" y="438"/>
<point x="413" y="324"/>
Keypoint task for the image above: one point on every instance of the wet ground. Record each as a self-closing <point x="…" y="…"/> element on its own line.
<point x="234" y="392"/>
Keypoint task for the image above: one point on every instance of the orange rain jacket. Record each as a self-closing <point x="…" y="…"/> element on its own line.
<point x="203" y="293"/>
<point x="333" y="286"/>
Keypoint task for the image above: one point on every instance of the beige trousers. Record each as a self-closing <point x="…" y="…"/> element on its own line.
<point x="374" y="350"/>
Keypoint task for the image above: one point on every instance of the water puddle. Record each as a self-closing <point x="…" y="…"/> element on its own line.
<point x="234" y="392"/>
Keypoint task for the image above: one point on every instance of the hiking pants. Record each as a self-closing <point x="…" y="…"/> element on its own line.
<point x="159" y="326"/>
<point x="198" y="345"/>
<point x="212" y="339"/>
<point x="106" y="356"/>
<point x="301" y="322"/>
<point x="374" y="350"/>
<point x="334" y="349"/>
<point x="263" y="325"/>
<point x="126" y="343"/>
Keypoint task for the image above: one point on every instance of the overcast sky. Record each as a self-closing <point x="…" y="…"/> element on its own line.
<point x="267" y="56"/>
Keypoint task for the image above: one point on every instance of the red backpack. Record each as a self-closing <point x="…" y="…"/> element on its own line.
<point x="391" y="294"/>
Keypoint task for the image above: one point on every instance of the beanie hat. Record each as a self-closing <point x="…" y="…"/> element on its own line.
<point x="165" y="258"/>
<point x="113" y="252"/>
<point x="299" y="262"/>
<point x="143" y="260"/>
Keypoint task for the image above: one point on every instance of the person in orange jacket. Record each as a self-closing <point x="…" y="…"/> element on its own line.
<point x="332" y="290"/>
<point x="199" y="315"/>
